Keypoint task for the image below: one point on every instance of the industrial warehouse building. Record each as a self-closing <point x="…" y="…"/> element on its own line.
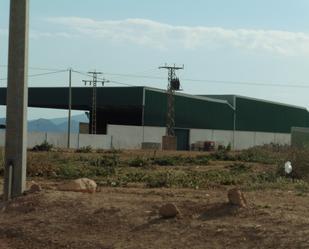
<point x="133" y="115"/>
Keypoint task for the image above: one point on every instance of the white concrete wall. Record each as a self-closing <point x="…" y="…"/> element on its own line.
<point x="200" y="135"/>
<point x="95" y="141"/>
<point x="59" y="140"/>
<point x="262" y="138"/>
<point x="244" y="140"/>
<point x="35" y="138"/>
<point x="125" y="137"/>
<point x="283" y="138"/>
<point x="223" y="137"/>
<point x="132" y="137"/>
<point x="154" y="134"/>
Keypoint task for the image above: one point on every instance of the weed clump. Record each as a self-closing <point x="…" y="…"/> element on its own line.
<point x="1" y="162"/>
<point x="45" y="146"/>
<point x="138" y="162"/>
<point x="84" y="149"/>
<point x="180" y="160"/>
<point x="239" y="168"/>
<point x="222" y="155"/>
<point x="300" y="163"/>
<point x="158" y="180"/>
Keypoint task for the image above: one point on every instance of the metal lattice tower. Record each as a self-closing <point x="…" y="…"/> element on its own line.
<point x="170" y="118"/>
<point x="94" y="83"/>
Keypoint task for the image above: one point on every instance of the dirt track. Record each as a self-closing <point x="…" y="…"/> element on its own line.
<point x="127" y="218"/>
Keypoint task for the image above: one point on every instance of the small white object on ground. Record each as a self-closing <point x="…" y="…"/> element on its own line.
<point x="288" y="167"/>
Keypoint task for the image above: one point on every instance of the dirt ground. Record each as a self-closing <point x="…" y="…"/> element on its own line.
<point x="128" y="218"/>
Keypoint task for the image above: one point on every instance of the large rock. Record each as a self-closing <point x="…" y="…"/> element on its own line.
<point x="34" y="188"/>
<point x="237" y="198"/>
<point x="168" y="211"/>
<point x="83" y="185"/>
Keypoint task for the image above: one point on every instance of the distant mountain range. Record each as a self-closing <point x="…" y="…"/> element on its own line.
<point x="54" y="125"/>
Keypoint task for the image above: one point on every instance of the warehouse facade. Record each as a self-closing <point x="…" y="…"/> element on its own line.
<point x="223" y="118"/>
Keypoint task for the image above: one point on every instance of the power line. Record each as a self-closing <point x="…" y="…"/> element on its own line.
<point x="248" y="83"/>
<point x="49" y="73"/>
<point x="39" y="68"/>
<point x="225" y="82"/>
<point x="110" y="81"/>
<point x="40" y="74"/>
<point x="136" y="76"/>
<point x="121" y="83"/>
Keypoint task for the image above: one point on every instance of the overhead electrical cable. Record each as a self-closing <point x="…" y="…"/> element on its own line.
<point x="40" y="74"/>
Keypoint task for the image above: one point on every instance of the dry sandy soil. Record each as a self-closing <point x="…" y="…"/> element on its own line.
<point x="128" y="218"/>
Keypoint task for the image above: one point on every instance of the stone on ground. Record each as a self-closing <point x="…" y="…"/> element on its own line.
<point x="237" y="198"/>
<point x="168" y="211"/>
<point x="83" y="185"/>
<point x="35" y="187"/>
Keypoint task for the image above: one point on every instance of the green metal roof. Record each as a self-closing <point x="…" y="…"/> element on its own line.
<point x="118" y="104"/>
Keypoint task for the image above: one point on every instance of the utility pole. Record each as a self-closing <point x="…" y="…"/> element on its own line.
<point x="17" y="101"/>
<point x="70" y="108"/>
<point x="94" y="83"/>
<point x="173" y="85"/>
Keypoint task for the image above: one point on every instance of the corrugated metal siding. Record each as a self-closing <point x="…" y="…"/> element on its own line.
<point x="254" y="115"/>
<point x="189" y="112"/>
<point x="57" y="97"/>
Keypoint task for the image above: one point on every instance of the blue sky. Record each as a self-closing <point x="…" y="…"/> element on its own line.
<point x="235" y="41"/>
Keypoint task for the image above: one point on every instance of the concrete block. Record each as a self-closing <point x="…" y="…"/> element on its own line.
<point x="151" y="146"/>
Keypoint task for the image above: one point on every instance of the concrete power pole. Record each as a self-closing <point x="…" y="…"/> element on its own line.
<point x="94" y="82"/>
<point x="17" y="101"/>
<point x="173" y="85"/>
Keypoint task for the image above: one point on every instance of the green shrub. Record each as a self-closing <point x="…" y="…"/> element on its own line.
<point x="222" y="177"/>
<point x="104" y="161"/>
<point x="197" y="160"/>
<point x="239" y="168"/>
<point x="267" y="154"/>
<point x="138" y="162"/>
<point x="302" y="187"/>
<point x="45" y="146"/>
<point x="180" y="160"/>
<point x="158" y="180"/>
<point x="229" y="147"/>
<point x="1" y="162"/>
<point x="222" y="155"/>
<point x="85" y="149"/>
<point x="201" y="160"/>
<point x="300" y="164"/>
<point x="265" y="177"/>
<point x="136" y="176"/>
<point x="68" y="172"/>
<point x="165" y="161"/>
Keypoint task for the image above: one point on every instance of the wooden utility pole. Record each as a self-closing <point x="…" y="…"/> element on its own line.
<point x="17" y="101"/>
